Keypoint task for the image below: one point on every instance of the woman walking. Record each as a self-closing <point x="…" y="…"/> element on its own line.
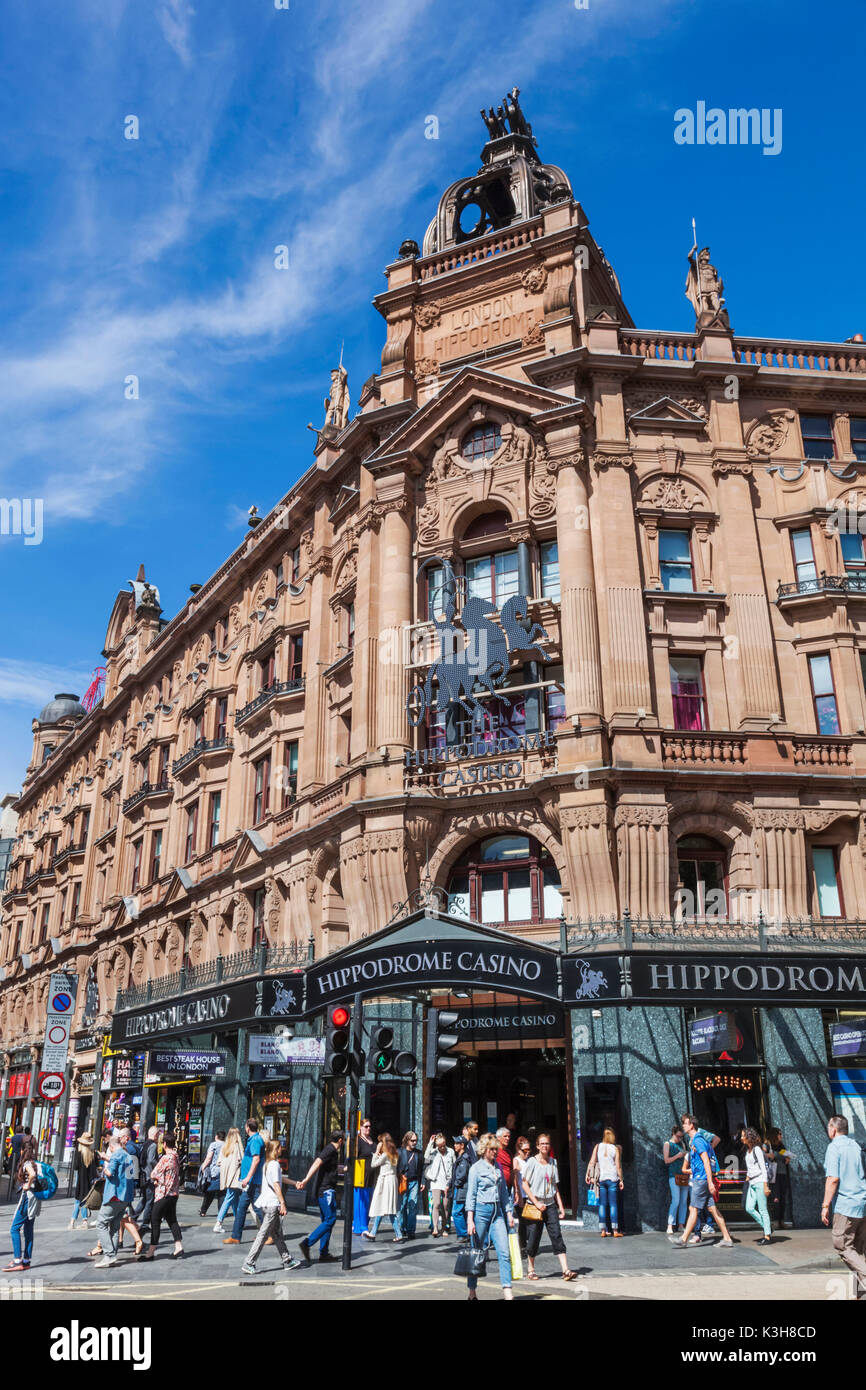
<point x="607" y="1158"/>
<point x="489" y="1213"/>
<point x="273" y="1208"/>
<point x="166" y="1183"/>
<point x="521" y="1157"/>
<point x="758" y="1184"/>
<point x="231" y="1156"/>
<point x="674" y="1152"/>
<point x="543" y="1207"/>
<point x="86" y="1170"/>
<point x="364" y="1179"/>
<point x="384" y="1203"/>
<point x="410" y="1172"/>
<point x="27" y="1210"/>
<point x="209" y="1174"/>
<point x="438" y="1171"/>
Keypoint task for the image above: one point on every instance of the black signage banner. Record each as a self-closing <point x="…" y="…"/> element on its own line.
<point x="186" y="1063"/>
<point x="848" y="1039"/>
<point x="510" y="1021"/>
<point x="520" y="969"/>
<point x="667" y="978"/>
<point x="277" y="996"/>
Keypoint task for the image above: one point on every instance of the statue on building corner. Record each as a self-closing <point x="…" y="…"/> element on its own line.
<point x="704" y="290"/>
<point x="336" y="405"/>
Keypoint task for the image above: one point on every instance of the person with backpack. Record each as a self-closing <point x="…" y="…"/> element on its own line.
<point x="27" y="1210"/>
<point x="703" y="1188"/>
<point x="209" y="1174"/>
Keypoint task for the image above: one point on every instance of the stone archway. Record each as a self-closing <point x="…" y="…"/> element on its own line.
<point x="479" y="824"/>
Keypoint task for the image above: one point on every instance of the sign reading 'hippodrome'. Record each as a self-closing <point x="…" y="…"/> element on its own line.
<point x="657" y="979"/>
<point x="518" y="968"/>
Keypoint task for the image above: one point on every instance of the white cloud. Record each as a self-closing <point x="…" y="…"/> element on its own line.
<point x="34" y="683"/>
<point x="175" y="21"/>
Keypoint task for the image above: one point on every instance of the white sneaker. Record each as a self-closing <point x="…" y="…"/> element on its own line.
<point x="219" y="1228"/>
<point x="670" y="1230"/>
<point x="106" y="1262"/>
<point x="727" y="1241"/>
<point x="695" y="1240"/>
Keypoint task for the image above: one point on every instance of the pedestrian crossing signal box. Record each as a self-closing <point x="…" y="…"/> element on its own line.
<point x="387" y="1062"/>
<point x="338" y="1042"/>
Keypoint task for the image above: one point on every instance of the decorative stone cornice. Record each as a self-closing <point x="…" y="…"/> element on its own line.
<point x="602" y="459"/>
<point x="641" y="815"/>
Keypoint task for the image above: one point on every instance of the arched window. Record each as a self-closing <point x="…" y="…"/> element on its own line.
<point x="482" y="442"/>
<point x="702" y="888"/>
<point x="506" y="879"/>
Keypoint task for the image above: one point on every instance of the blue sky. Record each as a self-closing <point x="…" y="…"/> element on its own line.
<point x="305" y="127"/>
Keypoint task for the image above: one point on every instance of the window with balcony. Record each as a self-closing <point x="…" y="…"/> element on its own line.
<point x="817" y="432"/>
<point x="804" y="556"/>
<point x="702" y="886"/>
<point x="675" y="561"/>
<point x="290" y="773"/>
<point x="296" y="656"/>
<point x="155" y="855"/>
<point x="550" y="570"/>
<point x="507" y="878"/>
<point x="824" y="694"/>
<point x="267" y="670"/>
<point x="43" y="924"/>
<point x="61" y="921"/>
<point x="482" y="442"/>
<point x="136" y="865"/>
<point x="213" y="829"/>
<point x="493" y="577"/>
<point x="436" y="595"/>
<point x="858" y="439"/>
<point x="827" y="888"/>
<point x="259" y="938"/>
<point x="222" y="714"/>
<point x="262" y="792"/>
<point x="687" y="693"/>
<point x="198" y="727"/>
<point x="85" y="827"/>
<point x="191" y="837"/>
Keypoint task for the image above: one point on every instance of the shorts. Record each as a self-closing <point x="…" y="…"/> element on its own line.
<point x="699" y="1194"/>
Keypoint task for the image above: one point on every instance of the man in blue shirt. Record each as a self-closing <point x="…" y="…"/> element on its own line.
<point x="119" y="1173"/>
<point x="843" y="1166"/>
<point x="252" y="1172"/>
<point x="703" y="1188"/>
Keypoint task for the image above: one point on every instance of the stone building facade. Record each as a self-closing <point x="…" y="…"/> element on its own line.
<point x="686" y="740"/>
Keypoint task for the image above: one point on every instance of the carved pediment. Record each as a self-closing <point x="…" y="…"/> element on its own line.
<point x="668" y="412"/>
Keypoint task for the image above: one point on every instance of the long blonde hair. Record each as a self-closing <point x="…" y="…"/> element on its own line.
<point x="390" y="1148"/>
<point x="608" y="1137"/>
<point x="233" y="1141"/>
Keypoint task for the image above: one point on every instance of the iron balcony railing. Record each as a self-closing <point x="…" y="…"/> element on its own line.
<point x="763" y="935"/>
<point x="203" y="745"/>
<point x="62" y="855"/>
<point x="824" y="584"/>
<point x="144" y="791"/>
<point x="269" y="693"/>
<point x="261" y="960"/>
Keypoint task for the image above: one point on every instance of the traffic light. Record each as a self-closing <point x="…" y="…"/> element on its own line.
<point x="338" y="1042"/>
<point x="441" y="1041"/>
<point x="385" y="1059"/>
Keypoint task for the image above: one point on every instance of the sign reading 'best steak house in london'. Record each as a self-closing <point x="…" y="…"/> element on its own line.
<point x="517" y="969"/>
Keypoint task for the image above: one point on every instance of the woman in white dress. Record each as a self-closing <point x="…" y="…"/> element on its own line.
<point x="385" y="1199"/>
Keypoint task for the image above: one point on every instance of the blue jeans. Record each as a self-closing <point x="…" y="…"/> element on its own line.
<point x="608" y="1214"/>
<point x="249" y="1197"/>
<point x="363" y="1196"/>
<point x="490" y="1229"/>
<point x="377" y="1221"/>
<point x="230" y="1202"/>
<point x="679" y="1208"/>
<point x="79" y="1209"/>
<point x="328" y="1209"/>
<point x="22" y="1223"/>
<point x="407" y="1212"/>
<point x="458" y="1216"/>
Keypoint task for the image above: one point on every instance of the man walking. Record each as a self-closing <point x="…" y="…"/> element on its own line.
<point x="459" y="1184"/>
<point x="327" y="1163"/>
<point x="702" y="1188"/>
<point x="119" y="1173"/>
<point x="252" y="1171"/>
<point x="410" y="1168"/>
<point x="845" y="1180"/>
<point x="148" y="1154"/>
<point x="470" y="1134"/>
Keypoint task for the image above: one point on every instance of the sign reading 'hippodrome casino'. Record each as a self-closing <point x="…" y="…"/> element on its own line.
<point x="518" y="968"/>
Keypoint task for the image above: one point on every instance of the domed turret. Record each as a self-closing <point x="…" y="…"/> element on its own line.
<point x="63" y="706"/>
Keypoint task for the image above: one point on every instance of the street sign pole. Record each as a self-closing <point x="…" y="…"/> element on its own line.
<point x="352" y="1096"/>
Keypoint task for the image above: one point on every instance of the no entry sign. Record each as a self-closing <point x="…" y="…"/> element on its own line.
<point x="51" y="1085"/>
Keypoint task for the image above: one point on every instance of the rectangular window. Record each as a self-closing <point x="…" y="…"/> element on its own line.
<point x="155" y="854"/>
<point x="164" y="758"/>
<point x="197" y="728"/>
<point x="258" y="918"/>
<point x="189" y="848"/>
<point x="554" y="698"/>
<point x="266" y="671"/>
<point x="213" y="833"/>
<point x="826" y="881"/>
<point x="550" y="570"/>
<point x="858" y="439"/>
<point x="493" y="897"/>
<point x="136" y="864"/>
<point x="350" y="627"/>
<point x="296" y="564"/>
<point x="519" y="896"/>
<point x="804" y="556"/>
<point x="290" y="774"/>
<point x="675" y="562"/>
<point x="47" y="751"/>
<point x="492" y="577"/>
<point x="222" y="714"/>
<point x="824" y="694"/>
<point x="43" y="925"/>
<point x="261" y="800"/>
<point x="851" y="545"/>
<point x="76" y="902"/>
<point x="817" y="432"/>
<point x="687" y="690"/>
<point x="296" y="656"/>
<point x="85" y="827"/>
<point x="62" y="919"/>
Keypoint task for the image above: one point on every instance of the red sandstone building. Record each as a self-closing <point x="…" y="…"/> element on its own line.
<point x="265" y="782"/>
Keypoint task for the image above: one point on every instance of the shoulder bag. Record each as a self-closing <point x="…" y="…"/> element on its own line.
<point x="93" y="1200"/>
<point x="473" y="1261"/>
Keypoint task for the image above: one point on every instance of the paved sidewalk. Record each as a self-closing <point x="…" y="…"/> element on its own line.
<point x="799" y="1265"/>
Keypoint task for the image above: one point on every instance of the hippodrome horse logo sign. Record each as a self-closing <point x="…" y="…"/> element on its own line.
<point x="474" y="648"/>
<point x="591" y="981"/>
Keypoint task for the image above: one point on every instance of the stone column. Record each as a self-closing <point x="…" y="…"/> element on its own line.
<point x="395" y="590"/>
<point x="624" y="654"/>
<point x="365" y="657"/>
<point x="642" y="852"/>
<point x="580" y="647"/>
<point x="586" y="842"/>
<point x="314" y="752"/>
<point x="782" y="854"/>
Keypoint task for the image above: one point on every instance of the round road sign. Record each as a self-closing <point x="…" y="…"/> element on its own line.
<point x="51" y="1085"/>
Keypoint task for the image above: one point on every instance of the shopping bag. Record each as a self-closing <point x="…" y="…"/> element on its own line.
<point x="592" y="1196"/>
<point x="514" y="1252"/>
<point x="360" y="1172"/>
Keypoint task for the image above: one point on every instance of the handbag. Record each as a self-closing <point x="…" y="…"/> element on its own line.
<point x="473" y="1261"/>
<point x="681" y="1179"/>
<point x="93" y="1200"/>
<point x="360" y="1173"/>
<point x="402" y="1185"/>
<point x="514" y="1252"/>
<point x="592" y="1196"/>
<point x="531" y="1212"/>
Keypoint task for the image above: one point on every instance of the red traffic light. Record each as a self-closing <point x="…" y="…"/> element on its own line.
<point x="340" y="1017"/>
